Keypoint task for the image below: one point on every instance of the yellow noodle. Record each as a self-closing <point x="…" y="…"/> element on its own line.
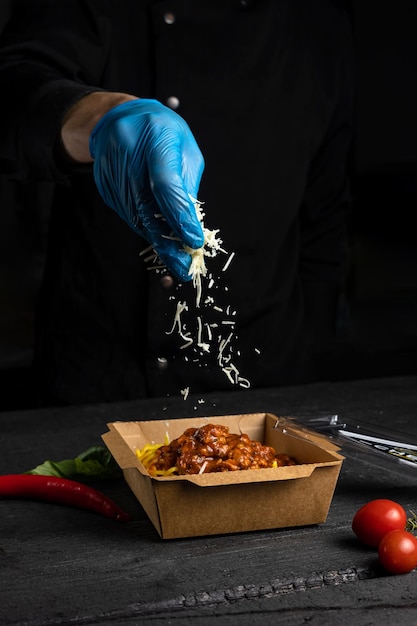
<point x="168" y="472"/>
<point x="147" y="454"/>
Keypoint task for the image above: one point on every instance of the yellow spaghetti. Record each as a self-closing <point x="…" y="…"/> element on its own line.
<point x="147" y="455"/>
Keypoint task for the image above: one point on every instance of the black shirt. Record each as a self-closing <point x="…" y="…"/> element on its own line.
<point x="266" y="88"/>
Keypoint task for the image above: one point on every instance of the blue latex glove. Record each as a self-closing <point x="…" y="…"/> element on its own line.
<point x="147" y="164"/>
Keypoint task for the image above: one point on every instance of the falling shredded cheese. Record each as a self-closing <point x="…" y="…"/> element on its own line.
<point x="229" y="260"/>
<point x="198" y="268"/>
<point x="203" y="337"/>
<point x="201" y="344"/>
<point x="209" y="333"/>
<point x="181" y="306"/>
<point x="185" y="392"/>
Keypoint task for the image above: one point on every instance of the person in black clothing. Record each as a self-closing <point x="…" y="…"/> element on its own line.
<point x="136" y="109"/>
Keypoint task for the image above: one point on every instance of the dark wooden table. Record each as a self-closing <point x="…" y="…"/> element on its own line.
<point x="60" y="565"/>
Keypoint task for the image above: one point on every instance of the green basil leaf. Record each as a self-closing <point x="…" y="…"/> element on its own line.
<point x="63" y="469"/>
<point x="96" y="462"/>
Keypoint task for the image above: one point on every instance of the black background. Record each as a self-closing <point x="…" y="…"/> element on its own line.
<point x="380" y="319"/>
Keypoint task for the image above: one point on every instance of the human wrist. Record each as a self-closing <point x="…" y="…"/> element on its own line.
<point x="82" y="117"/>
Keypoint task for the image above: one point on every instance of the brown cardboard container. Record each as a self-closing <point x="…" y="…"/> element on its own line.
<point x="231" y="502"/>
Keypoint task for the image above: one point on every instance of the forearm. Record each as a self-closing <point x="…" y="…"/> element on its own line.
<point x="81" y="118"/>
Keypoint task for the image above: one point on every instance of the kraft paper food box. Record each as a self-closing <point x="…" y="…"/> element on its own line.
<point x="237" y="501"/>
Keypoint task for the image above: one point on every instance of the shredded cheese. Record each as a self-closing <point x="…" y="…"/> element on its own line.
<point x="229" y="260"/>
<point x="185" y="392"/>
<point x="203" y="336"/>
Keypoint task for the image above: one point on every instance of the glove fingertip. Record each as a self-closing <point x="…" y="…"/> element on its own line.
<point x="178" y="264"/>
<point x="180" y="272"/>
<point x="194" y="238"/>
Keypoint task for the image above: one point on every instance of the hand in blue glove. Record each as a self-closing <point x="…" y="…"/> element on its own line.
<point x="148" y="167"/>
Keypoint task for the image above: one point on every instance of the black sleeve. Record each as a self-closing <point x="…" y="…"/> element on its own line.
<point x="52" y="53"/>
<point x="326" y="205"/>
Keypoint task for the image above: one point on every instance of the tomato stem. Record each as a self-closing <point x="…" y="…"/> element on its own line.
<point x="411" y="525"/>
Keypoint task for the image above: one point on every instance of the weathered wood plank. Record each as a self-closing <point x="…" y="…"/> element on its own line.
<point x="65" y="566"/>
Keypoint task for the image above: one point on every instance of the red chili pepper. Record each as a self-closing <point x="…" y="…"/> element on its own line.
<point x="62" y="491"/>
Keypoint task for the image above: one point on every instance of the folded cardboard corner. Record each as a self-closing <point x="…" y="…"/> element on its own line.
<point x="230" y="502"/>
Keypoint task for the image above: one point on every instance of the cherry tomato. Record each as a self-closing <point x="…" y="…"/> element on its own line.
<point x="397" y="552"/>
<point x="377" y="518"/>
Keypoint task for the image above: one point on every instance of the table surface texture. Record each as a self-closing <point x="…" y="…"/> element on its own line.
<point x="67" y="566"/>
